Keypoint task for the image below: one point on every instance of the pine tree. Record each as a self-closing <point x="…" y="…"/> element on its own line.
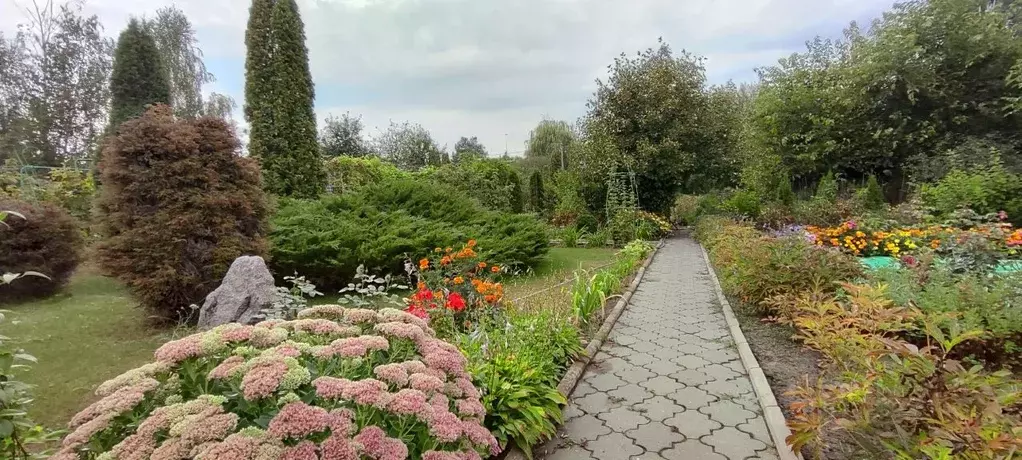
<point x="536" y="193"/>
<point x="139" y="78"/>
<point x="279" y="98"/>
<point x="258" y="77"/>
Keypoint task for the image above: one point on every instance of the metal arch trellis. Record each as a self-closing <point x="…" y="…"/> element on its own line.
<point x="622" y="192"/>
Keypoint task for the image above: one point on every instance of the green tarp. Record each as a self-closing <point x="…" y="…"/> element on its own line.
<point x="878" y="262"/>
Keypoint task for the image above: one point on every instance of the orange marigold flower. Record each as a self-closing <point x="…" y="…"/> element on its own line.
<point x="448" y="249"/>
<point x="445" y="260"/>
<point x="482" y="264"/>
<point x="437" y="249"/>
<point x="421" y="286"/>
<point x="495" y="269"/>
<point x="423" y="264"/>
<point x="458" y="280"/>
<point x="471" y="243"/>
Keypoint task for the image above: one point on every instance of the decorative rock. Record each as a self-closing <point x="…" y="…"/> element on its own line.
<point x="244" y="292"/>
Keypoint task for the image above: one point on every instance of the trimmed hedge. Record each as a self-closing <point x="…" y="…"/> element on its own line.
<point x="46" y="241"/>
<point x="382" y="225"/>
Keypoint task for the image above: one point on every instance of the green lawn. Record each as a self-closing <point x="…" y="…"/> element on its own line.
<point x="94" y="331"/>
<point x="89" y="333"/>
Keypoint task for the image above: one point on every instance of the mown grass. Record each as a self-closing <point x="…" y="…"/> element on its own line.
<point x="93" y="330"/>
<point x="82" y="336"/>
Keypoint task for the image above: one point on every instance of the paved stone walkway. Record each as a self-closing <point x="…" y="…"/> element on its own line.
<point x="668" y="383"/>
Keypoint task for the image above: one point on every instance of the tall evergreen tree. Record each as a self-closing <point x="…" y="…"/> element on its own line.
<point x="258" y="77"/>
<point x="279" y="101"/>
<point x="139" y="77"/>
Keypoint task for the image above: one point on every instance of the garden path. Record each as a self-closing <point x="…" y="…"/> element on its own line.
<point x="668" y="383"/>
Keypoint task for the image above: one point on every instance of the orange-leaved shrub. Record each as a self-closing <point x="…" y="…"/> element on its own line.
<point x="178" y="205"/>
<point x="47" y="241"/>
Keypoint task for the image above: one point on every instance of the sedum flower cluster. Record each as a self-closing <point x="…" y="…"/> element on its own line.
<point x="336" y="383"/>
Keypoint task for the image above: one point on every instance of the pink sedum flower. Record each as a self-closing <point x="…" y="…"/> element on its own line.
<point x="444" y="425"/>
<point x="338" y="448"/>
<point x="377" y="445"/>
<point x="399" y="330"/>
<point x="330" y="387"/>
<point x="394" y="374"/>
<point x="298" y="420"/>
<point x="263" y="379"/>
<point x="179" y="350"/>
<point x="227" y="368"/>
<point x="366" y="392"/>
<point x="305" y="450"/>
<point x="470" y="407"/>
<point x="426" y="383"/>
<point x="410" y="402"/>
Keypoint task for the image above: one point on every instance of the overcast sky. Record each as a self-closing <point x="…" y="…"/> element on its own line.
<point x="493" y="68"/>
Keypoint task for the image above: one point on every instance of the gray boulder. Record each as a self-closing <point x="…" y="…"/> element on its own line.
<point x="245" y="291"/>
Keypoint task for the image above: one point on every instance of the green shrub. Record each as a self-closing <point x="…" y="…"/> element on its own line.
<point x="872" y="195"/>
<point x="785" y="194"/>
<point x="354" y="383"/>
<point x="382" y="225"/>
<point x="827" y="188"/>
<point x="587" y="222"/>
<point x="742" y="203"/>
<point x="984" y="189"/>
<point x="537" y="194"/>
<point x="346" y="173"/>
<point x="494" y="182"/>
<point x="685" y="209"/>
<point x="709" y="204"/>
<point x="46" y="240"/>
<point x="178" y="205"/>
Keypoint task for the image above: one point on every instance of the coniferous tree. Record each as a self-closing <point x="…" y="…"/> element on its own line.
<point x="258" y="77"/>
<point x="139" y="78"/>
<point x="279" y="101"/>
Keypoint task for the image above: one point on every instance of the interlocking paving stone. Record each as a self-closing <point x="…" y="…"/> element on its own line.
<point x="692" y="450"/>
<point x="654" y="436"/>
<point x="614" y="446"/>
<point x="658" y="408"/>
<point x="668" y="383"/>
<point x="631" y="394"/>
<point x="728" y="413"/>
<point x="622" y="419"/>
<point x="692" y="424"/>
<point x="585" y="428"/>
<point x="733" y="444"/>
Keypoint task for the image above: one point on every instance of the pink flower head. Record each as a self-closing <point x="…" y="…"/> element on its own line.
<point x="440" y="403"/>
<point x="179" y="350"/>
<point x="410" y="402"/>
<point x="400" y="330"/>
<point x="445" y="426"/>
<point x="480" y="436"/>
<point x="236" y="446"/>
<point x="342" y="422"/>
<point x="263" y="378"/>
<point x="298" y="420"/>
<point x="331" y="312"/>
<point x="414" y="366"/>
<point x="359" y="315"/>
<point x="467" y="388"/>
<point x="391" y="315"/>
<point x="425" y="383"/>
<point x="227" y="368"/>
<point x="470" y="407"/>
<point x="1002" y="216"/>
<point x="287" y="349"/>
<point x="441" y="455"/>
<point x="357" y="347"/>
<point x="367" y="392"/>
<point x="116" y="403"/>
<point x="233" y="332"/>
<point x="338" y="448"/>
<point x="377" y="445"/>
<point x="394" y="374"/>
<point x="316" y="326"/>
<point x="305" y="450"/>
<point x="330" y="387"/>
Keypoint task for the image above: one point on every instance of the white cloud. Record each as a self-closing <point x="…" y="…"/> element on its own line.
<point x="490" y="67"/>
